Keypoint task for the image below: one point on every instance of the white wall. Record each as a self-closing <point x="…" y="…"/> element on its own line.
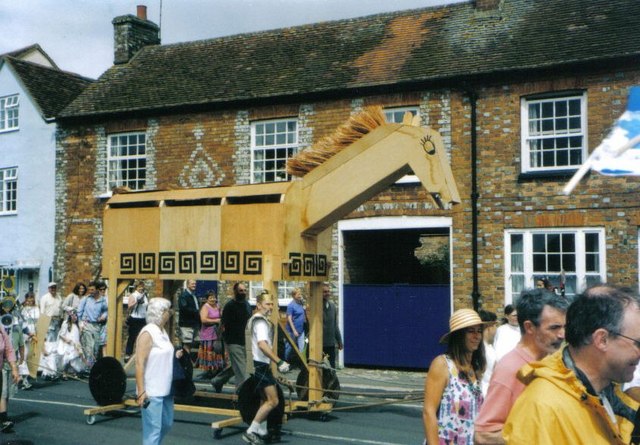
<point x="29" y="235"/>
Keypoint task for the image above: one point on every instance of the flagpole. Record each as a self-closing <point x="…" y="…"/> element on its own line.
<point x="579" y="174"/>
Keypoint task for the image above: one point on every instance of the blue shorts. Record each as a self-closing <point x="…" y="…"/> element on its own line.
<point x="264" y="376"/>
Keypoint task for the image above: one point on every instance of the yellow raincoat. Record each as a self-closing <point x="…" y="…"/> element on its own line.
<point x="557" y="409"/>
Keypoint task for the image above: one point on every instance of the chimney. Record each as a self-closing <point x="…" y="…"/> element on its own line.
<point x="132" y="33"/>
<point x="487" y="5"/>
<point x="141" y="12"/>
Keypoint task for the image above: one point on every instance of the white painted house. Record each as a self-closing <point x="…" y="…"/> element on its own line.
<point x="32" y="91"/>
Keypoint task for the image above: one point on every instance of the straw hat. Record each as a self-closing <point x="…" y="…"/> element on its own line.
<point x="460" y="319"/>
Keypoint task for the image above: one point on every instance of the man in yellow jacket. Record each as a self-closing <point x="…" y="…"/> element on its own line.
<point x="573" y="396"/>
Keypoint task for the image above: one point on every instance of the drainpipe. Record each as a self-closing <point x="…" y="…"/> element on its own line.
<point x="475" y="293"/>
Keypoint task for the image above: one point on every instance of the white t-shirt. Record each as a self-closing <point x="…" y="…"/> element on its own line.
<point x="507" y="337"/>
<point x="260" y="333"/>
<point x="140" y="310"/>
<point x="490" y="354"/>
<point x="158" y="372"/>
<point x="50" y="305"/>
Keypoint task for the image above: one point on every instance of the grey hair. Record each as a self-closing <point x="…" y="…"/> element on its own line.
<point x="156" y="308"/>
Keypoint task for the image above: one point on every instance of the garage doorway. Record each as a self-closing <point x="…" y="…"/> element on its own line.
<point x="395" y="293"/>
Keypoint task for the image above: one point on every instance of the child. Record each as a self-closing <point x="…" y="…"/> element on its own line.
<point x="30" y="313"/>
<point x="49" y="359"/>
<point x="69" y="348"/>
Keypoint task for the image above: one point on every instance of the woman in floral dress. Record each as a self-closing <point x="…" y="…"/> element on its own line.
<point x="453" y="394"/>
<point x="209" y="360"/>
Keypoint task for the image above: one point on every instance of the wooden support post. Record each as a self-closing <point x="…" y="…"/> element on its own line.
<point x="272" y="287"/>
<point x="315" y="342"/>
<point x="115" y="320"/>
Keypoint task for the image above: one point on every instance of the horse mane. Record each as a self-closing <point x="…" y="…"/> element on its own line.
<point x="346" y="134"/>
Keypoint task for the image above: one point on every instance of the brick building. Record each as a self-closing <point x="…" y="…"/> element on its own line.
<point x="521" y="91"/>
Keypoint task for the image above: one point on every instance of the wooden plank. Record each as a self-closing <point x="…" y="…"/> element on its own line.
<point x="104" y="409"/>
<point x="315" y="341"/>
<point x="200" y="193"/>
<point x="131" y="231"/>
<point x="283" y="323"/>
<point x="42" y="326"/>
<point x="227" y="422"/>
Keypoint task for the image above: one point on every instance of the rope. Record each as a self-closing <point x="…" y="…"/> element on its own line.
<point x="384" y="394"/>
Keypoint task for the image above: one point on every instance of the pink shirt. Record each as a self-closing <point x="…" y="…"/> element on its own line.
<point x="8" y="353"/>
<point x="504" y="389"/>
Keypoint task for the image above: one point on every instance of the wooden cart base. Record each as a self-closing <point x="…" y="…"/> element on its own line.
<point x="233" y="415"/>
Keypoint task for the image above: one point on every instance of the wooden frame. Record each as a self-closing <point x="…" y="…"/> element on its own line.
<point x="270" y="232"/>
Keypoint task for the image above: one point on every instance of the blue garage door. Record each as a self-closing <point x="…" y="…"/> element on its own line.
<point x="394" y="326"/>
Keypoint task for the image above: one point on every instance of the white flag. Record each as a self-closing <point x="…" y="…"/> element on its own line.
<point x="619" y="152"/>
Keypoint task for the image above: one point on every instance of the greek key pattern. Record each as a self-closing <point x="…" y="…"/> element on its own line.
<point x="205" y="262"/>
<point x="215" y="262"/>
<point x="307" y="265"/>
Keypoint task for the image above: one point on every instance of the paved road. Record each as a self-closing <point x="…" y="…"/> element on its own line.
<point x="52" y="414"/>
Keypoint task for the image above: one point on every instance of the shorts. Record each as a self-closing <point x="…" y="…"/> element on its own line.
<point x="263" y="375"/>
<point x="9" y="388"/>
<point x="187" y="335"/>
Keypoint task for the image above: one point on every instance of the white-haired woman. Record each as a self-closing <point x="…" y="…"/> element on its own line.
<point x="154" y="372"/>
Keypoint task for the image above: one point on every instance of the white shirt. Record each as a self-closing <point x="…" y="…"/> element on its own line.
<point x="507" y="337"/>
<point x="158" y="373"/>
<point x="490" y="354"/>
<point x="260" y="333"/>
<point x="140" y="310"/>
<point x="50" y="305"/>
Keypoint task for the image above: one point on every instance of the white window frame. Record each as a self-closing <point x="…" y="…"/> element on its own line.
<point x="264" y="142"/>
<point x="9" y="113"/>
<point x="114" y="176"/>
<point x="284" y="291"/>
<point x="556" y="134"/>
<point x="581" y="273"/>
<point x="394" y="115"/>
<point x="9" y="191"/>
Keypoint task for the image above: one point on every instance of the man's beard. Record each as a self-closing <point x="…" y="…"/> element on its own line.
<point x="241" y="297"/>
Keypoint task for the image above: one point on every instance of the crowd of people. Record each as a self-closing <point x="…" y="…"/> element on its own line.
<point x="234" y="341"/>
<point x="560" y="383"/>
<point x="73" y="335"/>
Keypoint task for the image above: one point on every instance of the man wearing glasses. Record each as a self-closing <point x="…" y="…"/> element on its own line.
<point x="92" y="317"/>
<point x="573" y="396"/>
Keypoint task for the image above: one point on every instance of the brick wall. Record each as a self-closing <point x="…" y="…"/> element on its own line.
<point x="209" y="149"/>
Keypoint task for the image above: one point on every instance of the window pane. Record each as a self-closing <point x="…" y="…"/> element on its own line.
<point x="568" y="262"/>
<point x="591" y="242"/>
<point x="273" y="141"/>
<point x="553" y="263"/>
<point x="539" y="243"/>
<point x="539" y="263"/>
<point x="517" y="284"/>
<point x="127" y="161"/>
<point x="568" y="242"/>
<point x="553" y="242"/>
<point x="517" y="244"/>
<point x="517" y="262"/>
<point x="548" y="123"/>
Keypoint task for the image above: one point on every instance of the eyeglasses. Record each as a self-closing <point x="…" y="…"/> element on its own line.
<point x="102" y="289"/>
<point x="635" y="342"/>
